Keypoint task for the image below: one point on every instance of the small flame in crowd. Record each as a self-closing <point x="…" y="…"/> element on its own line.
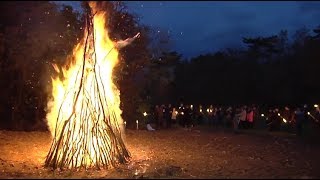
<point x="284" y="120"/>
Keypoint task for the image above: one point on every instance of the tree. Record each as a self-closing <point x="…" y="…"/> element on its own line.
<point x="31" y="39"/>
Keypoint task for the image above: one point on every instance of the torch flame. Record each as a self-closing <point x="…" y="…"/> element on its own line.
<point x="284" y="120"/>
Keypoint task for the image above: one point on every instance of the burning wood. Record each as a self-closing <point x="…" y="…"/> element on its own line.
<point x="85" y="118"/>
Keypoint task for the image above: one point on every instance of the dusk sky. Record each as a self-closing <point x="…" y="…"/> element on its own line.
<point x="201" y="27"/>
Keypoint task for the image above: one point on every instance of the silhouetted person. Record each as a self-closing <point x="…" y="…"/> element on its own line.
<point x="300" y="118"/>
<point x="180" y="116"/>
<point x="187" y="117"/>
<point x="168" y="113"/>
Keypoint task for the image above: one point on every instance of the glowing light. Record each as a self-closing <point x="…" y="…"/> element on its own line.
<point x="182" y="113"/>
<point x="208" y="110"/>
<point x="200" y="110"/>
<point x="176" y="112"/>
<point x="308" y="113"/>
<point x="284" y="120"/>
<point x="137" y="122"/>
<point x="136" y="172"/>
<point x="145" y="114"/>
<point x="278" y="114"/>
<point x="262" y="115"/>
<point x="316" y="105"/>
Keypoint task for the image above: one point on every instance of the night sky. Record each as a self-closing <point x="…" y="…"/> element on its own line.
<point x="201" y="27"/>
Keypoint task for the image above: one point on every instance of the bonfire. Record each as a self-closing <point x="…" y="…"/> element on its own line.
<point x="84" y="115"/>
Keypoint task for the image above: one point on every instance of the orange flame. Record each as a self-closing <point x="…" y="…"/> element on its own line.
<point x="63" y="90"/>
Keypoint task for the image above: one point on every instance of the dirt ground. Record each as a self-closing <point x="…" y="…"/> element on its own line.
<point x="175" y="153"/>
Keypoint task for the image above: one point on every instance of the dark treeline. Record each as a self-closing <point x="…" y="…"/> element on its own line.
<point x="33" y="35"/>
<point x="269" y="71"/>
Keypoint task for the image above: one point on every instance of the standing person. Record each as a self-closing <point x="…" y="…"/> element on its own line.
<point x="299" y="116"/>
<point x="218" y="116"/>
<point x="160" y="116"/>
<point x="256" y="115"/>
<point x="250" y="118"/>
<point x="193" y="116"/>
<point x="276" y="120"/>
<point x="235" y="117"/>
<point x="228" y="117"/>
<point x="317" y="114"/>
<point x="272" y="120"/>
<point x="156" y="115"/>
<point x="187" y="117"/>
<point x="200" y="115"/>
<point x="163" y="117"/>
<point x="180" y="115"/>
<point x="242" y="117"/>
<point x="286" y="114"/>
<point x="168" y="115"/>
<point x="210" y="112"/>
<point x="174" y="116"/>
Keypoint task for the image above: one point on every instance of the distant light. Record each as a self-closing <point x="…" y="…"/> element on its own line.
<point x="262" y="115"/>
<point x="200" y="110"/>
<point x="182" y="113"/>
<point x="284" y="120"/>
<point x="278" y="114"/>
<point x="316" y="105"/>
<point x="210" y="110"/>
<point x="176" y="112"/>
<point x="308" y="113"/>
<point x="191" y="106"/>
<point x="137" y="121"/>
<point x="207" y="110"/>
<point x="145" y="114"/>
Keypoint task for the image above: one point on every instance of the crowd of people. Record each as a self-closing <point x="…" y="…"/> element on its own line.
<point x="291" y="119"/>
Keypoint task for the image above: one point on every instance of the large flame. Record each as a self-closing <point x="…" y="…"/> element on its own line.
<point x="64" y="89"/>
